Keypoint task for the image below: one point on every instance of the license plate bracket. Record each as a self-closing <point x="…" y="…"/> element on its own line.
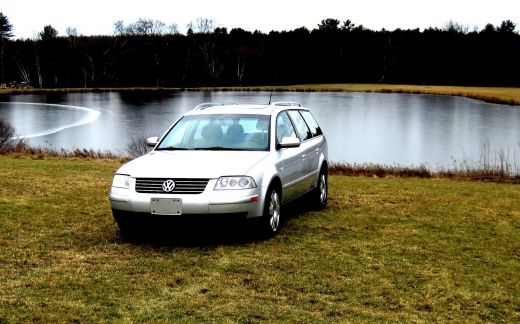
<point x="166" y="206"/>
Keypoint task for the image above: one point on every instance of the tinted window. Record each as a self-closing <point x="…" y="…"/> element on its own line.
<point x="311" y="122"/>
<point x="301" y="127"/>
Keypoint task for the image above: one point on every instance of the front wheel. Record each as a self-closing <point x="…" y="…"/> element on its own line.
<point x="127" y="226"/>
<point x="321" y="191"/>
<point x="271" y="218"/>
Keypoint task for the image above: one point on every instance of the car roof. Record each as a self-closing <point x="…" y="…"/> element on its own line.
<point x="233" y="108"/>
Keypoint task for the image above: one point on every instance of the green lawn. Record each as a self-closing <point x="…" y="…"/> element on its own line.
<point x="384" y="250"/>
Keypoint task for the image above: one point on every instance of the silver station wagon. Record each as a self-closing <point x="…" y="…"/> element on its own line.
<point x="225" y="161"/>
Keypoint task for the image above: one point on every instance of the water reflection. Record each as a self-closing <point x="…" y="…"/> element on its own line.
<point x="361" y="127"/>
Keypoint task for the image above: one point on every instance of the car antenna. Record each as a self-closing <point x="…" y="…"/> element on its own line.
<point x="270" y="96"/>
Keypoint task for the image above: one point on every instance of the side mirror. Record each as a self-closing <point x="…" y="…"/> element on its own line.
<point x="289" y="142"/>
<point x="152" y="141"/>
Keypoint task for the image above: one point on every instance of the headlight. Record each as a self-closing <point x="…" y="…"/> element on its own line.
<point x="227" y="183"/>
<point x="121" y="181"/>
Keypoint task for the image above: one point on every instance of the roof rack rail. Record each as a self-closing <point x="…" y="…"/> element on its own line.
<point x="286" y="103"/>
<point x="205" y="105"/>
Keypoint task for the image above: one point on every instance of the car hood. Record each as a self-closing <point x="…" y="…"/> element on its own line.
<point x="192" y="164"/>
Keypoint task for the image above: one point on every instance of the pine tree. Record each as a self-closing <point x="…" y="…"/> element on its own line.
<point x="5" y="34"/>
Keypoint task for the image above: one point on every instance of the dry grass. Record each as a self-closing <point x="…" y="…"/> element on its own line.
<point x="384" y="250"/>
<point x="21" y="147"/>
<point x="510" y="96"/>
<point x="462" y="171"/>
<point x="494" y="166"/>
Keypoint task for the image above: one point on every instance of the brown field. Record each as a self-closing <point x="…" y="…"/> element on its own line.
<point x="385" y="250"/>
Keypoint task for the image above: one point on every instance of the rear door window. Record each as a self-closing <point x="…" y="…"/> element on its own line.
<point x="301" y="127"/>
<point x="311" y="122"/>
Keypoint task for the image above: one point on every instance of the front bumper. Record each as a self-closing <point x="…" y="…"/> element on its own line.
<point x="246" y="201"/>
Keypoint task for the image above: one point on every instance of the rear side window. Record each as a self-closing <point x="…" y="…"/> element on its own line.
<point x="311" y="122"/>
<point x="301" y="127"/>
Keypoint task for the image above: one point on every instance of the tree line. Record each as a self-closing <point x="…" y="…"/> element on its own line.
<point x="147" y="53"/>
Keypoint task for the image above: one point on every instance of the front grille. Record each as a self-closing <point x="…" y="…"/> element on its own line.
<point x="182" y="186"/>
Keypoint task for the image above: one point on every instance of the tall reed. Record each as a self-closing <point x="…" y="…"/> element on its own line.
<point x="497" y="165"/>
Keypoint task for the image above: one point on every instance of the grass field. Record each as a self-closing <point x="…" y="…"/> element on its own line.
<point x="509" y="96"/>
<point x="384" y="250"/>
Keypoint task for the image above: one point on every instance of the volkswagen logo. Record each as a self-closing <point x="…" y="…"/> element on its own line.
<point x="168" y="186"/>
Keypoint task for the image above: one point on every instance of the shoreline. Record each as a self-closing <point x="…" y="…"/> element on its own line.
<point x="501" y="172"/>
<point x="495" y="95"/>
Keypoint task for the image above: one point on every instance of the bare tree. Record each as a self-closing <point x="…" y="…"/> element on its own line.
<point x="205" y="25"/>
<point x="157" y="27"/>
<point x="455" y="27"/>
<point x="73" y="38"/>
<point x="89" y="70"/>
<point x="189" y="54"/>
<point x="115" y="52"/>
<point x="173" y="29"/>
<point x="208" y="32"/>
<point x="190" y="28"/>
<point x="36" y="51"/>
<point x="72" y="35"/>
<point x="155" y="31"/>
<point x="241" y="65"/>
<point x="146" y="27"/>
<point x="22" y="67"/>
<point x="159" y="45"/>
<point x="119" y="28"/>
<point x="138" y="146"/>
<point x="390" y="54"/>
<point x="6" y="132"/>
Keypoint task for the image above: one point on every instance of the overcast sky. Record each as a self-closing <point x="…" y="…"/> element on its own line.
<point x="97" y="17"/>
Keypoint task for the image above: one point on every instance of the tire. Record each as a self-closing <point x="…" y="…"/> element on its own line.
<point x="127" y="226"/>
<point x="271" y="218"/>
<point x="322" y="190"/>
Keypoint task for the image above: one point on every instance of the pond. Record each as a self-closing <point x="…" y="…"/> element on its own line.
<point x="389" y="129"/>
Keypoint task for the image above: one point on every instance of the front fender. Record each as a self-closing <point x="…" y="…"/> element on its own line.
<point x="264" y="173"/>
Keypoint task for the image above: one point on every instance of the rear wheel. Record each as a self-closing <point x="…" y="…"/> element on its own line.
<point x="271" y="218"/>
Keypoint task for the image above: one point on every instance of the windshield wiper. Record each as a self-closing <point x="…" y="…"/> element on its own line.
<point x="171" y="148"/>
<point x="219" y="148"/>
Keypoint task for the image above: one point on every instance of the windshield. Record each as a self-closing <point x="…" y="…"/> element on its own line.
<point x="218" y="132"/>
